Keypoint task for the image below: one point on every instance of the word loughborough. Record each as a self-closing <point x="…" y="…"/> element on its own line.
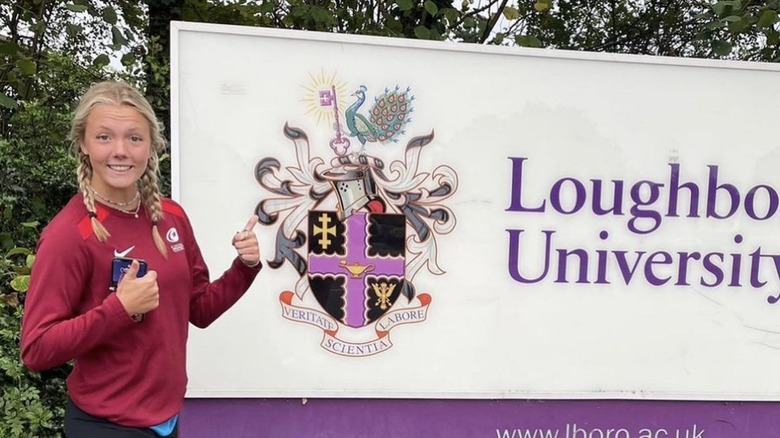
<point x="649" y="207"/>
<point x="725" y="259"/>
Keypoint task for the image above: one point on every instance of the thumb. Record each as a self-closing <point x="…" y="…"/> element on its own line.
<point x="132" y="271"/>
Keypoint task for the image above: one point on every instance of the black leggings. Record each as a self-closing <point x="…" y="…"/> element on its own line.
<point x="79" y="424"/>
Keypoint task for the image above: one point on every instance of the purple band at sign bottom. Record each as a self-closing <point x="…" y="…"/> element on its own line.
<point x="245" y="418"/>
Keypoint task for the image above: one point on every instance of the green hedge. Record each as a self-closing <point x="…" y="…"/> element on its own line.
<point x="32" y="404"/>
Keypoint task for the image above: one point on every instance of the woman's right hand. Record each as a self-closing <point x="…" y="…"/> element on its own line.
<point x="138" y="295"/>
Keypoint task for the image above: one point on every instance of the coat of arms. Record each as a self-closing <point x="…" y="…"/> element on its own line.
<point x="357" y="233"/>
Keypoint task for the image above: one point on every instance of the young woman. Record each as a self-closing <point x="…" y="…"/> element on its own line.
<point x="128" y="338"/>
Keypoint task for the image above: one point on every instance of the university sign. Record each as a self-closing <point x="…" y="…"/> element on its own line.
<point x="459" y="221"/>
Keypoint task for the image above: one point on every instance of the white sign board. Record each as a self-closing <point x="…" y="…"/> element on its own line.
<point x="446" y="220"/>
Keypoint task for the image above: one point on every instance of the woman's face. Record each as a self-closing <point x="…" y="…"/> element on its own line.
<point x="117" y="140"/>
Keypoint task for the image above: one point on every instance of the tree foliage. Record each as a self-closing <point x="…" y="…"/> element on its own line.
<point x="51" y="51"/>
<point x="85" y="30"/>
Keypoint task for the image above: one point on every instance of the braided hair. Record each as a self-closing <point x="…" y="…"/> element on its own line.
<point x="119" y="93"/>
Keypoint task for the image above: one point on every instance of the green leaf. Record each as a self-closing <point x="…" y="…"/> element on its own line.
<point x="721" y="47"/>
<point x="321" y="15"/>
<point x="732" y="18"/>
<point x="542" y="5"/>
<point x="31" y="224"/>
<point x="18" y="251"/>
<point x="76" y="8"/>
<point x="109" y="15"/>
<point x="404" y="5"/>
<point x="128" y="59"/>
<point x="118" y="38"/>
<point x="73" y="30"/>
<point x="450" y="14"/>
<point x="715" y="25"/>
<point x="422" y="32"/>
<point x="27" y="66"/>
<point x="720" y="7"/>
<point x="511" y="13"/>
<point x="21" y="283"/>
<point x="772" y="37"/>
<point x="101" y="60"/>
<point x="30" y="260"/>
<point x="394" y="25"/>
<point x="266" y="7"/>
<point x="431" y="8"/>
<point x="739" y="26"/>
<point x="528" y="41"/>
<point x="767" y="18"/>
<point x="8" y="48"/>
<point x="7" y="101"/>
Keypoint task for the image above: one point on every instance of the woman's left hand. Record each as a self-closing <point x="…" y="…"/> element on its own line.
<point x="246" y="244"/>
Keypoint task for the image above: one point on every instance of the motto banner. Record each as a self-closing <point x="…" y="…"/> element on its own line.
<point x="444" y="220"/>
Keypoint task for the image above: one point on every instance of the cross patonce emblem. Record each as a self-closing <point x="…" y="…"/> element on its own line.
<point x="324" y="231"/>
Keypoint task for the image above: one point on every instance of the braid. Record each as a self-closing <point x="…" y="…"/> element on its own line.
<point x="84" y="174"/>
<point x="151" y="196"/>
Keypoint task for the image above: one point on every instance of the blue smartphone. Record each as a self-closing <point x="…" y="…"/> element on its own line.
<point x="120" y="266"/>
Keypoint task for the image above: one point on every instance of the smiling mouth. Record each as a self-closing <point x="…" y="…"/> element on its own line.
<point x="120" y="167"/>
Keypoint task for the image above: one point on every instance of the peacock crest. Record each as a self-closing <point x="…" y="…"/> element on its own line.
<point x="386" y="119"/>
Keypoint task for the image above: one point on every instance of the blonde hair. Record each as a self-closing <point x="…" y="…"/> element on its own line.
<point x="119" y="93"/>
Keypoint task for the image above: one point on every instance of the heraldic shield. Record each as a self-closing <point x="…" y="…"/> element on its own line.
<point x="356" y="266"/>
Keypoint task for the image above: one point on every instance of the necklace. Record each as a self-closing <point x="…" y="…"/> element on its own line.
<point x="133" y="212"/>
<point x="118" y="204"/>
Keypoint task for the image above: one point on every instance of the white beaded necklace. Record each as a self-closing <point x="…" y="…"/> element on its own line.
<point x="118" y="205"/>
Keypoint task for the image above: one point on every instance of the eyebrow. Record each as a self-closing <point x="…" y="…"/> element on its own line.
<point x="102" y="127"/>
<point x="132" y="130"/>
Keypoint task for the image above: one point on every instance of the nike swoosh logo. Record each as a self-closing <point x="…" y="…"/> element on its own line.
<point x="123" y="253"/>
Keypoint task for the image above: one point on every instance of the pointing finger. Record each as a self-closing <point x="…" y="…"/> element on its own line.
<point x="252" y="222"/>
